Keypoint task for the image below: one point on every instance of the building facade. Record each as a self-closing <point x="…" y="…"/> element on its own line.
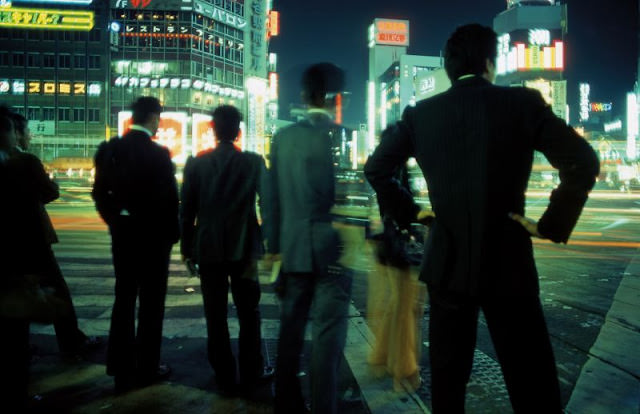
<point x="531" y="49"/>
<point x="193" y="57"/>
<point x="52" y="70"/>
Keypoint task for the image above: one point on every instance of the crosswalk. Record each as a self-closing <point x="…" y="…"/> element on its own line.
<point x="85" y="260"/>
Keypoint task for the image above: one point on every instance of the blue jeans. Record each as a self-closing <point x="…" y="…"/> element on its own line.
<point x="330" y="295"/>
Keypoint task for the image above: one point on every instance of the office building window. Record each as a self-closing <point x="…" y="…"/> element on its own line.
<point x="94" y="35"/>
<point x="48" y="35"/>
<point x="49" y="60"/>
<point x="34" y="35"/>
<point x="17" y="59"/>
<point x="4" y="59"/>
<point x="33" y="113"/>
<point x="66" y="35"/>
<point x="18" y="110"/>
<point x="17" y="34"/>
<point x="94" y="115"/>
<point x="94" y="62"/>
<point x="64" y="114"/>
<point x="48" y="114"/>
<point x="64" y="61"/>
<point x="78" y="114"/>
<point x="33" y="60"/>
<point x="79" y="61"/>
<point x="79" y="36"/>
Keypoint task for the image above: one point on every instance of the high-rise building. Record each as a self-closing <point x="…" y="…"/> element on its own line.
<point x="531" y="49"/>
<point x="53" y="70"/>
<point x="193" y="57"/>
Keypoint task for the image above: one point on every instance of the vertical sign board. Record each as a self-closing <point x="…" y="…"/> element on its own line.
<point x="172" y="132"/>
<point x="391" y="32"/>
<point x="256" y="14"/>
<point x="202" y="136"/>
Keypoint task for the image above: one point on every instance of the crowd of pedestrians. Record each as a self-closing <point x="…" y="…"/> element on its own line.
<point x="477" y="252"/>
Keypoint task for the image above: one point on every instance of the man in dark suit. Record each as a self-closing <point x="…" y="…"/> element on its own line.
<point x="475" y="145"/>
<point x="302" y="193"/>
<point x="32" y="176"/>
<point x="136" y="194"/>
<point x="221" y="234"/>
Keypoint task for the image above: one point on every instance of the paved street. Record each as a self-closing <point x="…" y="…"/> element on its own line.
<point x="578" y="283"/>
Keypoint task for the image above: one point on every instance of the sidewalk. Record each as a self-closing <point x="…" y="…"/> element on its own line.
<point x="610" y="379"/>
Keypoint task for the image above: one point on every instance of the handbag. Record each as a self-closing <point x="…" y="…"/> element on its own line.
<point x="25" y="298"/>
<point x="397" y="246"/>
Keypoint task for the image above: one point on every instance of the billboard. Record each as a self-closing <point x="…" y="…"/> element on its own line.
<point x="46" y="19"/>
<point x="202" y="136"/>
<point x="431" y="83"/>
<point x="553" y="92"/>
<point x="172" y="132"/>
<point x="391" y="32"/>
<point x="530" y="50"/>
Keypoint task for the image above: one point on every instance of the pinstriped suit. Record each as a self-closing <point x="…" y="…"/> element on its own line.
<point x="475" y="145"/>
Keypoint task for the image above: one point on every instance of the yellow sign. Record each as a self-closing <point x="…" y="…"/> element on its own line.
<point x="46" y="19"/>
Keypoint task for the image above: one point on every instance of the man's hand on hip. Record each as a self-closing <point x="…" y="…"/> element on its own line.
<point x="529" y="225"/>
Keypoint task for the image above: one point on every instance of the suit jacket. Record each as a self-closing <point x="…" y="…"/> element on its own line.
<point x="218" y="211"/>
<point x="136" y="178"/>
<point x="28" y="187"/>
<point x="302" y="191"/>
<point x="475" y="145"/>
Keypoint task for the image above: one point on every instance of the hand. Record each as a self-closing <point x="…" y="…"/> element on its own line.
<point x="529" y="225"/>
<point x="270" y="258"/>
<point x="425" y="217"/>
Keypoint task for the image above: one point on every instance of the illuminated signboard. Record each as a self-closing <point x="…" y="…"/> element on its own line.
<point x="529" y="50"/>
<point x="600" y="107"/>
<point x="202" y="135"/>
<point x="46" y="19"/>
<point x="391" y="32"/>
<point x="274" y="23"/>
<point x="513" y="3"/>
<point x="48" y="2"/>
<point x="613" y="126"/>
<point x="36" y="87"/>
<point x="584" y="101"/>
<point x="219" y="14"/>
<point x="172" y="132"/>
<point x="176" y="83"/>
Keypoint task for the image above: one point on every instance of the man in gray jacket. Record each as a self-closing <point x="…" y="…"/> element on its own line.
<point x="303" y="192"/>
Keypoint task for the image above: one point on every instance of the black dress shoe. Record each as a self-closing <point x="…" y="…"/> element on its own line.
<point x="162" y="373"/>
<point x="267" y="374"/>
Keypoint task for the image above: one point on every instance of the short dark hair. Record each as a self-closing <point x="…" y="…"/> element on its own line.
<point x="19" y="122"/>
<point x="226" y="122"/>
<point x="144" y="107"/>
<point x="467" y="50"/>
<point x="320" y="79"/>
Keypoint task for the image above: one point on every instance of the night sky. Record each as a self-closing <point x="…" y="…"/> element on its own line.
<point x="601" y="42"/>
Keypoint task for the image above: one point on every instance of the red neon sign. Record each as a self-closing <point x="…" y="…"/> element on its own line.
<point x="140" y="3"/>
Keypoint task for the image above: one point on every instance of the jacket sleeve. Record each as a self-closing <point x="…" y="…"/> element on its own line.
<point x="381" y="168"/>
<point x="188" y="205"/>
<point x="46" y="187"/>
<point x="172" y="199"/>
<point x="102" y="192"/>
<point x="263" y="196"/>
<point x="577" y="165"/>
<point x="271" y="218"/>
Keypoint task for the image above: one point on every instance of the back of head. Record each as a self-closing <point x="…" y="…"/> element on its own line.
<point x="226" y="122"/>
<point x="320" y="79"/>
<point x="468" y="49"/>
<point x="143" y="108"/>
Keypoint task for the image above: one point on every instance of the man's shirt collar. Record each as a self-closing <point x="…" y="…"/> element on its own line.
<point x="136" y="127"/>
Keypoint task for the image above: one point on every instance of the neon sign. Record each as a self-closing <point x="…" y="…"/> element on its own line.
<point x="65" y="2"/>
<point x="20" y="87"/>
<point x="46" y="19"/>
<point x="600" y="107"/>
<point x="391" y="32"/>
<point x="584" y="101"/>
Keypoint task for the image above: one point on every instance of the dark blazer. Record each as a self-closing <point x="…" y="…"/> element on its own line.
<point x="475" y="145"/>
<point x="302" y="193"/>
<point x="135" y="177"/>
<point x="28" y="188"/>
<point x="218" y="211"/>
